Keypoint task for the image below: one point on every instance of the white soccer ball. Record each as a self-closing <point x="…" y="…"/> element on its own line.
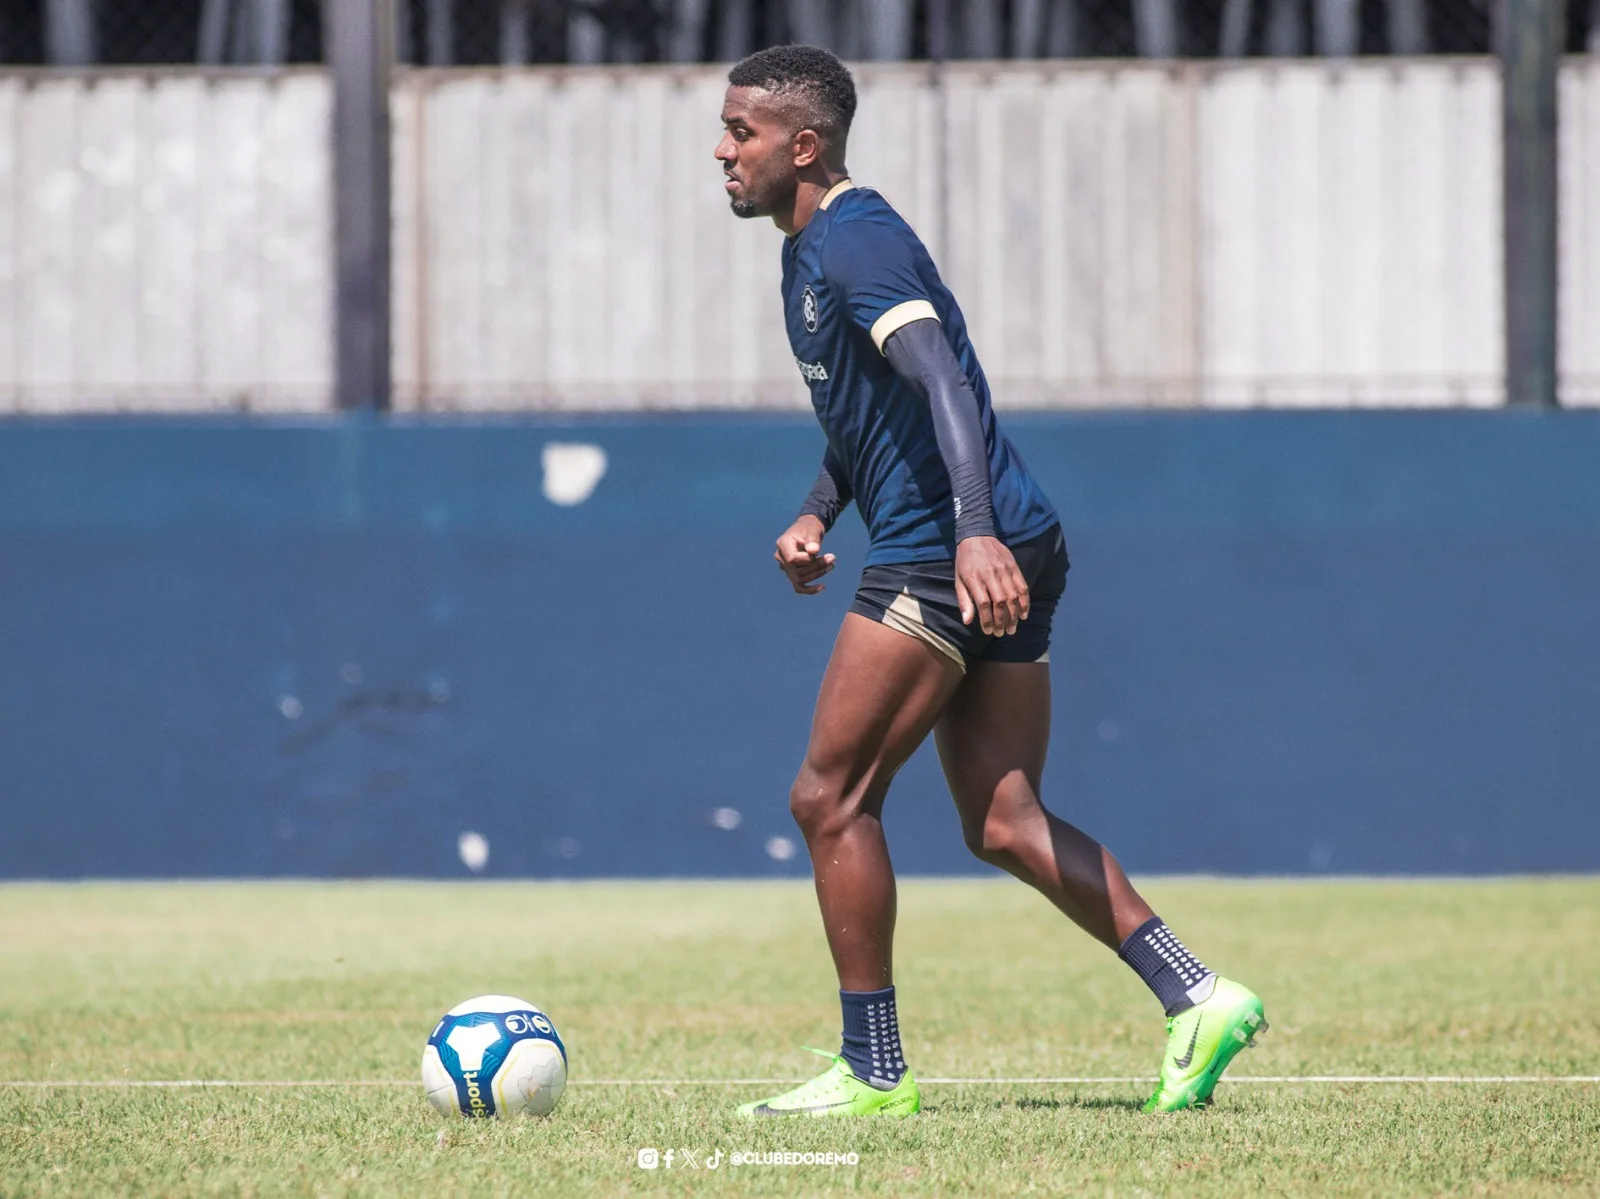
<point x="494" y="1056"/>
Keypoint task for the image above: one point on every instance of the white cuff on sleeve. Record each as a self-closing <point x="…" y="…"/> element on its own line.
<point x="899" y="317"/>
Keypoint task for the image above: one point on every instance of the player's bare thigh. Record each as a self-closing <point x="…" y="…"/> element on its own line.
<point x="882" y="693"/>
<point x="993" y="737"/>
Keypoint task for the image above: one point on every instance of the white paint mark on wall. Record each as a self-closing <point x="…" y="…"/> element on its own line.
<point x="474" y="851"/>
<point x="572" y="470"/>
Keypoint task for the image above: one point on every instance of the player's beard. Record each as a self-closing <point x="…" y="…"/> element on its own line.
<point x="759" y="193"/>
<point x="744" y="205"/>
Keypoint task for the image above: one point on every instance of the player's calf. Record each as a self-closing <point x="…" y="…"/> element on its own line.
<point x="1007" y="835"/>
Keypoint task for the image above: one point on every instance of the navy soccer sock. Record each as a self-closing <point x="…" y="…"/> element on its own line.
<point x="872" y="1037"/>
<point x="1178" y="978"/>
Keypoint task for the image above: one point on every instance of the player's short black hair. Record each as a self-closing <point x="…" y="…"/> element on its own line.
<point x="809" y="78"/>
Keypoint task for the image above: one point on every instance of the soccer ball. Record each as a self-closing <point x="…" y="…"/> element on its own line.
<point x="494" y="1056"/>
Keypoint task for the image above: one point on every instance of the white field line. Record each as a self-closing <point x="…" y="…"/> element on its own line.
<point x="1081" y="1079"/>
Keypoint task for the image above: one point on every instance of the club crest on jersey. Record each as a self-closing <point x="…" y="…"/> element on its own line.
<point x="808" y="309"/>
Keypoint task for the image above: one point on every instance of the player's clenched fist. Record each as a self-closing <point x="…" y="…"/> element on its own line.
<point x="989" y="586"/>
<point x="800" y="555"/>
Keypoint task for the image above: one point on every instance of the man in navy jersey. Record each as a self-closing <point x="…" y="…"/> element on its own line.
<point x="949" y="632"/>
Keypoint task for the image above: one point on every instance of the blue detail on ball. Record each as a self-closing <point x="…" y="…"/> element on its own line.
<point x="502" y="1030"/>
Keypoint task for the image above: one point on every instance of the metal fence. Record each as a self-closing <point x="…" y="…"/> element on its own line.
<point x="484" y="32"/>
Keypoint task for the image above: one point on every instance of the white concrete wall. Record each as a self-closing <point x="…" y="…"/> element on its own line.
<point x="1580" y="234"/>
<point x="1226" y="234"/>
<point x="165" y="243"/>
<point x="565" y="241"/>
<point x="1351" y="235"/>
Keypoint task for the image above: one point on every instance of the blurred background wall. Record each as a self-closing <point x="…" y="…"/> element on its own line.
<point x="1120" y="234"/>
<point x="1325" y="230"/>
<point x="247" y="632"/>
<point x="1359" y="642"/>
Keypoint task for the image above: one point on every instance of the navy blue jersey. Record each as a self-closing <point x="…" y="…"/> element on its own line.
<point x="854" y="275"/>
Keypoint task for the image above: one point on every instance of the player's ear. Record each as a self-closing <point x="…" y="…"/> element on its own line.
<point x="807" y="148"/>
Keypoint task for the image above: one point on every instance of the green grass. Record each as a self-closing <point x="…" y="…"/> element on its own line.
<point x="713" y="981"/>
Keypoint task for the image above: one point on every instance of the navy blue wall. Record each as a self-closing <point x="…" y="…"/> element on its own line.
<point x="1319" y="642"/>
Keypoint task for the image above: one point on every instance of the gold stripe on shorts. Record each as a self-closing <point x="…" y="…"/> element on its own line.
<point x="905" y="616"/>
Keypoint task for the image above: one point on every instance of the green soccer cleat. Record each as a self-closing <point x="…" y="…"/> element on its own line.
<point x="1202" y="1041"/>
<point x="838" y="1092"/>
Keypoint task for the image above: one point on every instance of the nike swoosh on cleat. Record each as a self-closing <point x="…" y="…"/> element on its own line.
<point x="764" y="1110"/>
<point x="1183" y="1062"/>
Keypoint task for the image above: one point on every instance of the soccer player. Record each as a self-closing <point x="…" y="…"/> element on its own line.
<point x="949" y="632"/>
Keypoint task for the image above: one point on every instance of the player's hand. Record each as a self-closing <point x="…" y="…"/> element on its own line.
<point x="800" y="555"/>
<point x="989" y="586"/>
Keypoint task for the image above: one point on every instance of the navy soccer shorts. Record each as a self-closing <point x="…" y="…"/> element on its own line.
<point x="919" y="599"/>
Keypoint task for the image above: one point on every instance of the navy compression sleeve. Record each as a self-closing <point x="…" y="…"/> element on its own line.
<point x="922" y="357"/>
<point x="830" y="494"/>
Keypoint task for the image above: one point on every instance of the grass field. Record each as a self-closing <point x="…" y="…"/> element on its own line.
<point x="707" y="982"/>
